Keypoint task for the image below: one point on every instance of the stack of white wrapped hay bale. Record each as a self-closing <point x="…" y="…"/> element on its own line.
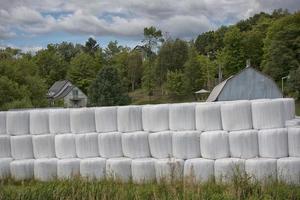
<point x="194" y="141"/>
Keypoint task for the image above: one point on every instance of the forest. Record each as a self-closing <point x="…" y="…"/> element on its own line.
<point x="160" y="69"/>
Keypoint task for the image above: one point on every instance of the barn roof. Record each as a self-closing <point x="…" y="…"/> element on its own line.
<point x="60" y="89"/>
<point x="213" y="96"/>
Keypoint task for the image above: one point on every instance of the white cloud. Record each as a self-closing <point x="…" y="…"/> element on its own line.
<point x="185" y="18"/>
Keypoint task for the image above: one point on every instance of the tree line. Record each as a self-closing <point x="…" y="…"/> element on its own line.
<point x="161" y="64"/>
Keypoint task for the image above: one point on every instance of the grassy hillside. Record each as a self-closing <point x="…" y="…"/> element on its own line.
<point x="80" y="189"/>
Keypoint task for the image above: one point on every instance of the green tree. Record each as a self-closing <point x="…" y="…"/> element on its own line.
<point x="148" y="80"/>
<point x="82" y="71"/>
<point x="152" y="38"/>
<point x="107" y="89"/>
<point x="282" y="47"/>
<point x="175" y="84"/>
<point x="135" y="70"/>
<point x="91" y="46"/>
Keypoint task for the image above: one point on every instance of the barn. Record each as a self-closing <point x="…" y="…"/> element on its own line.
<point x="246" y="85"/>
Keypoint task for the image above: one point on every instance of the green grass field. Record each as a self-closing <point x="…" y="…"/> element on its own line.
<point x="81" y="189"/>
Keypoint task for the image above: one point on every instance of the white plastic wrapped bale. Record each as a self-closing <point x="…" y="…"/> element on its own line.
<point x="294" y="141"/>
<point x="288" y="170"/>
<point x="214" y="144"/>
<point x="143" y="170"/>
<point x="129" y="118"/>
<point x="261" y="169"/>
<point x="87" y="145"/>
<point x="22" y="169"/>
<point x="208" y="117"/>
<point x="68" y="168"/>
<point x="267" y="114"/>
<point x="45" y="169"/>
<point x="227" y="168"/>
<point x="182" y="116"/>
<point x="5" y="167"/>
<point x="155" y="117"/>
<point x="236" y="115"/>
<point x="17" y="122"/>
<point x="160" y="144"/>
<point x="5" y="146"/>
<point x="119" y="169"/>
<point x="106" y="119"/>
<point x="135" y="144"/>
<point x="273" y="143"/>
<point x="186" y="144"/>
<point x="3" y="123"/>
<point x="93" y="168"/>
<point x="43" y="146"/>
<point x="110" y="145"/>
<point x="288" y="107"/>
<point x="199" y="170"/>
<point x="169" y="169"/>
<point x="21" y="147"/>
<point x="82" y="120"/>
<point x="65" y="146"/>
<point x="39" y="122"/>
<point x="243" y="144"/>
<point x="59" y="121"/>
<point x="292" y="123"/>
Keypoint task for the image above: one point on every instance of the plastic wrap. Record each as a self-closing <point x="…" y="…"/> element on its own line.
<point x="261" y="169"/>
<point x="119" y="169"/>
<point x="22" y="169"/>
<point x="292" y="123"/>
<point x="110" y="145"/>
<point x="243" y="144"/>
<point x="17" y="122"/>
<point x="135" y="145"/>
<point x="267" y="114"/>
<point x="3" y="123"/>
<point x="59" y="121"/>
<point x="199" y="170"/>
<point x="43" y="146"/>
<point x="288" y="107"/>
<point x="93" y="168"/>
<point x="87" y="145"/>
<point x="227" y="168"/>
<point x="21" y="147"/>
<point x="45" y="169"/>
<point x="82" y="120"/>
<point x="186" y="144"/>
<point x="106" y="119"/>
<point x="143" y="170"/>
<point x="273" y="143"/>
<point x="236" y="115"/>
<point x="5" y="146"/>
<point x="68" y="168"/>
<point x="294" y="141"/>
<point x="208" y="117"/>
<point x="182" y="116"/>
<point x="288" y="170"/>
<point x="129" y="118"/>
<point x="5" y="167"/>
<point x="39" y="122"/>
<point x="214" y="144"/>
<point x="155" y="117"/>
<point x="169" y="169"/>
<point x="65" y="146"/>
<point x="160" y="144"/>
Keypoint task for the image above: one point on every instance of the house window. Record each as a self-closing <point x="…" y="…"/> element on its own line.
<point x="75" y="93"/>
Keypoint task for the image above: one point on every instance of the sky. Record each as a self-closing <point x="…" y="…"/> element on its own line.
<point x="32" y="24"/>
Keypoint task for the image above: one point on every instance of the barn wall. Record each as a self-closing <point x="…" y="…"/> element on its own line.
<point x="249" y="84"/>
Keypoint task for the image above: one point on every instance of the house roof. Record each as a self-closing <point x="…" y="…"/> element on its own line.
<point x="60" y="89"/>
<point x="213" y="96"/>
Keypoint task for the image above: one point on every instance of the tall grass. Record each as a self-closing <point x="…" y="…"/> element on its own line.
<point x="239" y="188"/>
